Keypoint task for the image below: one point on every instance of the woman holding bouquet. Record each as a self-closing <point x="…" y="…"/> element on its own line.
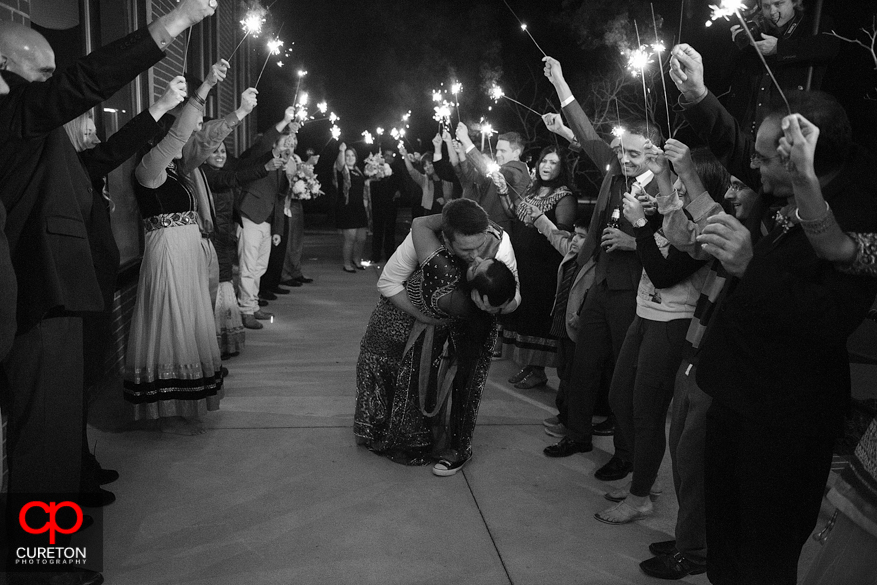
<point x="400" y="408"/>
<point x="350" y="213"/>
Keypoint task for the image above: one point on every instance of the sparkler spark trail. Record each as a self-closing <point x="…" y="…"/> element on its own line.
<point x="524" y="28"/>
<point x="456" y="88"/>
<point x="643" y="61"/>
<point x="335" y="131"/>
<point x="273" y="49"/>
<point x="659" y="49"/>
<point x="496" y="93"/>
<point x="322" y="106"/>
<point x="252" y="25"/>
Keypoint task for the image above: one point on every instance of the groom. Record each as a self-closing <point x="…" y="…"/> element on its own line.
<point x="468" y="235"/>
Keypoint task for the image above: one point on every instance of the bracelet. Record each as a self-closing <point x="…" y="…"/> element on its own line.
<point x="198" y="99"/>
<point x="818" y="225"/>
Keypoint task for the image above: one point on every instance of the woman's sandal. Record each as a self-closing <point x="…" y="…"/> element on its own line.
<point x="623" y="513"/>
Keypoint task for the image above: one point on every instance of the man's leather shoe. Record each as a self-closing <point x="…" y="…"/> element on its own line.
<point x="263" y="315"/>
<point x="665" y="547"/>
<point x="605" y="428"/>
<point x="268" y="296"/>
<point x="305" y="280"/>
<point x="263" y="303"/>
<point x="617" y="468"/>
<point x="567" y="447"/>
<point x="671" y="567"/>
<point x="279" y="290"/>
<point x="250" y="322"/>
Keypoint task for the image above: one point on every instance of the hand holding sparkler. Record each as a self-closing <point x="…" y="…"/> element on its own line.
<point x="686" y="71"/>
<point x="462" y="134"/>
<point x="679" y="156"/>
<point x="186" y="14"/>
<point x="798" y="147"/>
<point x="173" y="95"/>
<point x="248" y="103"/>
<point x="554" y="122"/>
<point x="554" y="73"/>
<point x="437" y="142"/>
<point x="218" y="72"/>
<point x="655" y="160"/>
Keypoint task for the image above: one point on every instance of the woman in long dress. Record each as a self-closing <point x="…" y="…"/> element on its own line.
<point x="172" y="366"/>
<point x="528" y="329"/>
<point x="405" y="371"/>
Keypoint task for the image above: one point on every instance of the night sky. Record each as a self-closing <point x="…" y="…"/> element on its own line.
<point x="374" y="60"/>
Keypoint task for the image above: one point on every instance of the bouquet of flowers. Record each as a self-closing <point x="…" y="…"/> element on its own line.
<point x="376" y="168"/>
<point x="304" y="184"/>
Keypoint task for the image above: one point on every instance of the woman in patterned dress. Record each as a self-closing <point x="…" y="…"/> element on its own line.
<point x="528" y="329"/>
<point x="405" y="372"/>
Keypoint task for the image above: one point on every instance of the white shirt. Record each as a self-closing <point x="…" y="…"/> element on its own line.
<point x="403" y="263"/>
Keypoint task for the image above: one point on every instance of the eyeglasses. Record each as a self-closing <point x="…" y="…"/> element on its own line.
<point x="737" y="187"/>
<point x="756" y="160"/>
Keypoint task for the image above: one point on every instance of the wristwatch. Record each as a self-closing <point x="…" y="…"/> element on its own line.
<point x="640" y="223"/>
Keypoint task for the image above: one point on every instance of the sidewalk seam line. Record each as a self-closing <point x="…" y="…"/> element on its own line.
<point x="489" y="533"/>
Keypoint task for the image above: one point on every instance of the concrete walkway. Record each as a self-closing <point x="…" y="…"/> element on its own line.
<point x="277" y="492"/>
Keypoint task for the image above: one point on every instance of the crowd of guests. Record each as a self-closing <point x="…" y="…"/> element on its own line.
<point x="723" y="280"/>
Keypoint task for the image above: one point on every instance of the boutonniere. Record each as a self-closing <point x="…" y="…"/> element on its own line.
<point x="784" y="222"/>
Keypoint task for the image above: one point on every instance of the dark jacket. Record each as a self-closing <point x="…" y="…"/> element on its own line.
<point x="44" y="188"/>
<point x="776" y="349"/>
<point x="99" y="162"/>
<point x="752" y="91"/>
<point x="626" y="268"/>
<point x="260" y="197"/>
<point x="225" y="184"/>
<point x="516" y="174"/>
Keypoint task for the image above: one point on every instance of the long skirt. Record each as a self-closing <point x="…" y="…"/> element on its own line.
<point x="230" y="332"/>
<point x="172" y="366"/>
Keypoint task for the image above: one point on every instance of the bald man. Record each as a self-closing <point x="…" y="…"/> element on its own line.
<point x="47" y="195"/>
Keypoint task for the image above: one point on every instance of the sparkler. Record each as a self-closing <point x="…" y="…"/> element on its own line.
<point x="658" y="49"/>
<point x="681" y="17"/>
<point x="252" y="25"/>
<point x="301" y="73"/>
<point x="379" y="131"/>
<point x="335" y="131"/>
<point x="442" y="115"/>
<point x="273" y="49"/>
<point x="524" y="28"/>
<point x="496" y="93"/>
<point x="618" y="132"/>
<point x="323" y="107"/>
<point x="367" y="137"/>
<point x="186" y="50"/>
<point x="486" y="131"/>
<point x="436" y="96"/>
<point x="456" y="88"/>
<point x="729" y="8"/>
<point x="641" y="58"/>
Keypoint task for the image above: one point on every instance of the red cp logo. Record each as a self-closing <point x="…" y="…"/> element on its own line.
<point x="51" y="525"/>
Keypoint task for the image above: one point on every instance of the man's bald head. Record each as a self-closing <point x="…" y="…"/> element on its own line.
<point x="26" y="52"/>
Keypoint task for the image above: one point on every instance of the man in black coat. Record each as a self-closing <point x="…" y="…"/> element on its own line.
<point x="47" y="196"/>
<point x="775" y="361"/>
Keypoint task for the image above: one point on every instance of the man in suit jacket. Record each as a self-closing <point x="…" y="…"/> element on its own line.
<point x="47" y="196"/>
<point x="610" y="304"/>
<point x="257" y="210"/>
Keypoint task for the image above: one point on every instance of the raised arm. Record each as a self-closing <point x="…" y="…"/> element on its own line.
<point x="212" y="132"/>
<point x="708" y="118"/>
<point x="151" y="170"/>
<point x="37" y="108"/>
<point x="580" y="125"/>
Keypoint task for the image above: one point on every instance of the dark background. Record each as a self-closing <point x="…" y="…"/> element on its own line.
<point x="374" y="60"/>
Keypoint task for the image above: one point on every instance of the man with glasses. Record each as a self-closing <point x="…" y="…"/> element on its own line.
<point x="775" y="359"/>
